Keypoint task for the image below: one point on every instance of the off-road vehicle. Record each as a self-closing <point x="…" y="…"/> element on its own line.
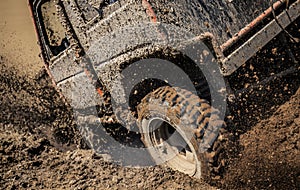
<point x="159" y="68"/>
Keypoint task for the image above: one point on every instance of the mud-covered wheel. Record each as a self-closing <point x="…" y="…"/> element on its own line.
<point x="183" y="131"/>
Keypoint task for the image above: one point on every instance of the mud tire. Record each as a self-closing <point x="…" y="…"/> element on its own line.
<point x="187" y="113"/>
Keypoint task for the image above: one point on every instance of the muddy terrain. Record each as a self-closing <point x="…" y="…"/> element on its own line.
<point x="40" y="147"/>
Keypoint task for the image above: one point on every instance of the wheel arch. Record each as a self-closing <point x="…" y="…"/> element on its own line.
<point x="182" y="61"/>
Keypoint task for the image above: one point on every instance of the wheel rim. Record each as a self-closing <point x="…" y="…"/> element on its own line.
<point x="171" y="145"/>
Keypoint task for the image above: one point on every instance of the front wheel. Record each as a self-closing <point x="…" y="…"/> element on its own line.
<point x="183" y="131"/>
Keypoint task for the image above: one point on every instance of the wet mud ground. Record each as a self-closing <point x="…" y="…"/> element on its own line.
<point x="40" y="147"/>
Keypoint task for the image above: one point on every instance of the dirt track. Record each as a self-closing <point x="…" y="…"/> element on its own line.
<point x="39" y="147"/>
<point x="270" y="158"/>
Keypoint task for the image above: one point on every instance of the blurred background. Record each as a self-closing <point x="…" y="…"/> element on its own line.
<point x="18" y="42"/>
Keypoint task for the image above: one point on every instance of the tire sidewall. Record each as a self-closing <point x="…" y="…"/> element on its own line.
<point x="182" y="125"/>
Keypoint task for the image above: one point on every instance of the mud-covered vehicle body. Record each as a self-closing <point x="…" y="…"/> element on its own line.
<point x="98" y="40"/>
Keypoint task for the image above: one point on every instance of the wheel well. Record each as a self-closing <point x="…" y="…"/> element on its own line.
<point x="183" y="62"/>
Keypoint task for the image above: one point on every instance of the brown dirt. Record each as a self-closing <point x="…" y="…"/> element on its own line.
<point x="40" y="149"/>
<point x="270" y="158"/>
